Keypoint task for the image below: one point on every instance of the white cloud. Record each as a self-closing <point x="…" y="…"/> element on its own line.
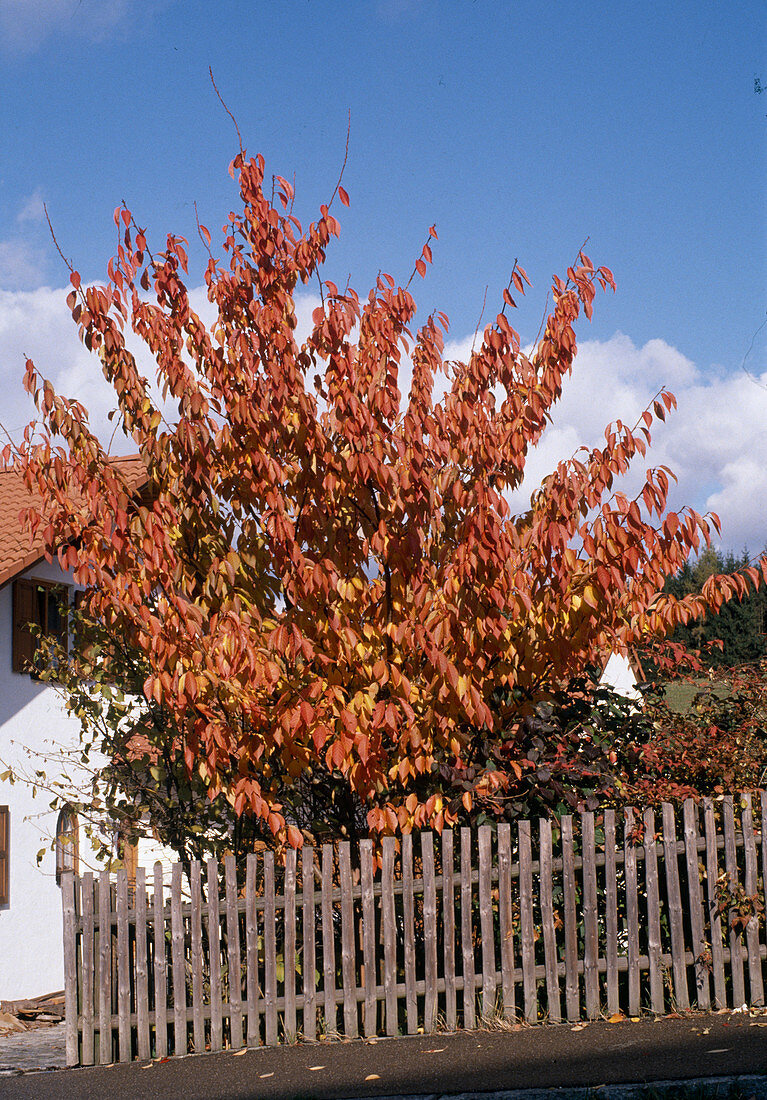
<point x="26" y="24"/>
<point x="716" y="442"/>
<point x="33" y="209"/>
<point x="22" y="264"/>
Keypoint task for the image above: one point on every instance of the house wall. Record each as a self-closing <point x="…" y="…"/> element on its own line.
<point x="34" y="729"/>
<point x="32" y="721"/>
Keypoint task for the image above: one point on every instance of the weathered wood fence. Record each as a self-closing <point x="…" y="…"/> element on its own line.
<point x="546" y="921"/>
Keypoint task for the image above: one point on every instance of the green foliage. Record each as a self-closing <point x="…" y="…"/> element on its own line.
<point x="739" y="625"/>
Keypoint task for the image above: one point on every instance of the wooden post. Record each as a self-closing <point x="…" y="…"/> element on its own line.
<point x="695" y="903"/>
<point x="572" y="989"/>
<point x="547" y="921"/>
<point x="486" y="921"/>
<point x="270" y="951"/>
<point x="87" y="948"/>
<point x="309" y="933"/>
<point x="674" y="896"/>
<point x="408" y="929"/>
<point x="389" y="933"/>
<point x="368" y="937"/>
<point x="526" y="921"/>
<point x="467" y="932"/>
<point x="506" y="922"/>
<point x="429" y="932"/>
<point x="448" y="928"/>
<point x="233" y="953"/>
<point x="180" y="1045"/>
<point x="160" y="964"/>
<point x="590" y="920"/>
<point x="611" y="914"/>
<point x="348" y="952"/>
<point x="289" y="941"/>
<point x="653" y="913"/>
<point x="734" y="936"/>
<point x="251" y="949"/>
<point x="214" y="959"/>
<point x="715" y="920"/>
<point x="632" y="910"/>
<point x="328" y="942"/>
<point x="198" y="1020"/>
<point x="142" y="971"/>
<point x="756" y="984"/>
<point x="70" y="967"/>
<point x="123" y="969"/>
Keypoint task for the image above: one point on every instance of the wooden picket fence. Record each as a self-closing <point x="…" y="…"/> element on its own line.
<point x="547" y="922"/>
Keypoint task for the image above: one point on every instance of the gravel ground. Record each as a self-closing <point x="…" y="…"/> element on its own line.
<point x="38" y="1048"/>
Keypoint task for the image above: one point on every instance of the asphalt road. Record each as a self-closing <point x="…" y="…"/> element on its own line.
<point x="541" y="1057"/>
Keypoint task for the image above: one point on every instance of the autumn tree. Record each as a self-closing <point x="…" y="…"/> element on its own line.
<point x="329" y="587"/>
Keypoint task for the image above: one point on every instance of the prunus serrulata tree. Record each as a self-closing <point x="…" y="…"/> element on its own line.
<point x="329" y="578"/>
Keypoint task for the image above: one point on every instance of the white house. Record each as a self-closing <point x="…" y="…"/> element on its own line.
<point x="34" y="728"/>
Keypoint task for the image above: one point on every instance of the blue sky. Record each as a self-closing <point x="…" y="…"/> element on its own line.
<point x="520" y="129"/>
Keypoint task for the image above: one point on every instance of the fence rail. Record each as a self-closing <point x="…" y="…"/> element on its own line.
<point x="544" y="921"/>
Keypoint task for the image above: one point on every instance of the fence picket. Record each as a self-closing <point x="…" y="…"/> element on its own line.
<point x="214" y="954"/>
<point x="653" y="912"/>
<point x="123" y="969"/>
<point x="467" y="935"/>
<point x="198" y="1021"/>
<point x="734" y="934"/>
<point x="715" y="920"/>
<point x="429" y="932"/>
<point x="368" y="937"/>
<point x="270" y="952"/>
<point x="632" y="910"/>
<point x="251" y="949"/>
<point x="611" y="914"/>
<point x="695" y="904"/>
<point x="348" y="951"/>
<point x="590" y="917"/>
<point x="526" y="922"/>
<point x="408" y="932"/>
<point x="310" y="957"/>
<point x="755" y="982"/>
<point x="674" y="896"/>
<point x="448" y="929"/>
<point x="159" y="960"/>
<point x="87" y="948"/>
<point x="289" y="919"/>
<point x="506" y="921"/>
<point x="142" y="974"/>
<point x="572" y="991"/>
<point x="547" y="920"/>
<point x="487" y="934"/>
<point x="389" y="933"/>
<point x="177" y="958"/>
<point x="233" y="953"/>
<point x="70" y="966"/>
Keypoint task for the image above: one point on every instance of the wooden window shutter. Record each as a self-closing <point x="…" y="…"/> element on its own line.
<point x="25" y="611"/>
<point x="4" y="854"/>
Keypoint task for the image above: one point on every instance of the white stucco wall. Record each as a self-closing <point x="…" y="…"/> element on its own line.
<point x="33" y="721"/>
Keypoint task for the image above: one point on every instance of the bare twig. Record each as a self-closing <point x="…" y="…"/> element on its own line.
<point x="221" y="101"/>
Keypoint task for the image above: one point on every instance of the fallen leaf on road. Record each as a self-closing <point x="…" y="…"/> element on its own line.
<point x="238" y="1053"/>
<point x="316" y="1067"/>
<point x="579" y="1027"/>
<point x="437" y="1050"/>
<point x="616" y="1018"/>
<point x="758" y="1023"/>
<point x="373" y="1077"/>
<point x="719" y="1050"/>
<point x="634" y="1019"/>
<point x="149" y="1066"/>
<point x="263" y="1075"/>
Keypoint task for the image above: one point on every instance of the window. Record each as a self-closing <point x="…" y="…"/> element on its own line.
<point x="67" y="843"/>
<point x="36" y="604"/>
<point x="5" y="820"/>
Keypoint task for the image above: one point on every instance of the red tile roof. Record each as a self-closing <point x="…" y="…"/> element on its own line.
<point x="17" y="553"/>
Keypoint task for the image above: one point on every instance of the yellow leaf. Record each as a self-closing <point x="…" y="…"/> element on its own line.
<point x="373" y="1077"/>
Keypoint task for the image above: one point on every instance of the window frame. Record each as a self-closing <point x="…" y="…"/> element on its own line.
<point x="24" y="645"/>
